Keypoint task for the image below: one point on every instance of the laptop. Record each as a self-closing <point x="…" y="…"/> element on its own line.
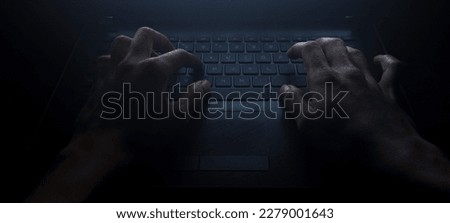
<point x="243" y="45"/>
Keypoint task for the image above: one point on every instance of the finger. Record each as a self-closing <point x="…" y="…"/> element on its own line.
<point x="144" y="41"/>
<point x="359" y="60"/>
<point x="390" y="66"/>
<point x="190" y="104"/>
<point x="312" y="55"/>
<point x="391" y="74"/>
<point x="335" y="52"/>
<point x="292" y="99"/>
<point x="119" y="49"/>
<point x="174" y="60"/>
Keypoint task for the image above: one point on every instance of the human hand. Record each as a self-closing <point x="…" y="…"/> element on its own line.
<point x="354" y="118"/>
<point x="145" y="63"/>
<point x="109" y="137"/>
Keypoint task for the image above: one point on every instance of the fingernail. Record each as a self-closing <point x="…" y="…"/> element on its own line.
<point x="205" y="83"/>
<point x="284" y="88"/>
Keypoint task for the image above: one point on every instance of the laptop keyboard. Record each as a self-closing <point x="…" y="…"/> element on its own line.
<point x="240" y="63"/>
<point x="243" y="63"/>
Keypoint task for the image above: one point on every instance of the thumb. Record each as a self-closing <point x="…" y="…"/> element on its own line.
<point x="391" y="74"/>
<point x="190" y="104"/>
<point x="291" y="99"/>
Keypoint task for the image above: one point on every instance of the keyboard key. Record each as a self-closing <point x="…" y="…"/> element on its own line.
<point x="237" y="47"/>
<point x="296" y="61"/>
<point x="284" y="47"/>
<point x="280" y="58"/>
<point x="245" y="58"/>
<point x="241" y="81"/>
<point x="220" y="47"/>
<point x="187" y="46"/>
<point x="210" y="79"/>
<point x="175" y="44"/>
<point x="283" y="39"/>
<point x="278" y="81"/>
<point x="235" y="39"/>
<point x="250" y="69"/>
<point x="219" y="39"/>
<point x="174" y="39"/>
<point x="202" y="47"/>
<point x="190" y="71"/>
<point x="301" y="69"/>
<point x="299" y="81"/>
<point x="228" y="58"/>
<point x="232" y="69"/>
<point x="260" y="81"/>
<point x="211" y="58"/>
<point x="253" y="47"/>
<point x="286" y="69"/>
<point x="299" y="39"/>
<point x="223" y="81"/>
<point x="263" y="58"/>
<point x="187" y="39"/>
<point x="198" y="55"/>
<point x="185" y="80"/>
<point x="312" y="38"/>
<point x="203" y="39"/>
<point x="267" y="39"/>
<point x="181" y="71"/>
<point x="269" y="69"/>
<point x="214" y="69"/>
<point x="270" y="47"/>
<point x="251" y="39"/>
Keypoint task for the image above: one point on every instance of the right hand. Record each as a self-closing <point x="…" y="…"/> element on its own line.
<point x="372" y="130"/>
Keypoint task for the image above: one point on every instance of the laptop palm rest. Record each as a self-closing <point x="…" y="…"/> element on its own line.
<point x="241" y="139"/>
<point x="260" y="152"/>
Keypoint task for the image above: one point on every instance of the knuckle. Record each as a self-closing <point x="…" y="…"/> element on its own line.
<point x="295" y="49"/>
<point x="307" y="46"/>
<point x="330" y="41"/>
<point x="126" y="65"/>
<point x="121" y="38"/>
<point x="158" y="65"/>
<point x="352" y="73"/>
<point x="298" y="45"/>
<point x="324" y="75"/>
<point x="311" y="44"/>
<point x="388" y="59"/>
<point x="182" y="52"/>
<point x="146" y="32"/>
<point x="145" y="29"/>
<point x="154" y="64"/>
<point x="303" y="47"/>
<point x="103" y="58"/>
<point x="392" y="61"/>
<point x="355" y="52"/>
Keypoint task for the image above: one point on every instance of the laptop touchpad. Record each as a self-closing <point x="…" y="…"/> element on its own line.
<point x="232" y="142"/>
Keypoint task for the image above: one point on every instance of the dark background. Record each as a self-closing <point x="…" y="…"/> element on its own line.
<point x="37" y="38"/>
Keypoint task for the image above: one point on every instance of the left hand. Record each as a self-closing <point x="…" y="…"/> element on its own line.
<point x="145" y="63"/>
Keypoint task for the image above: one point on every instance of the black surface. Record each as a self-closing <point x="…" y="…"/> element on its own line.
<point x="38" y="38"/>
